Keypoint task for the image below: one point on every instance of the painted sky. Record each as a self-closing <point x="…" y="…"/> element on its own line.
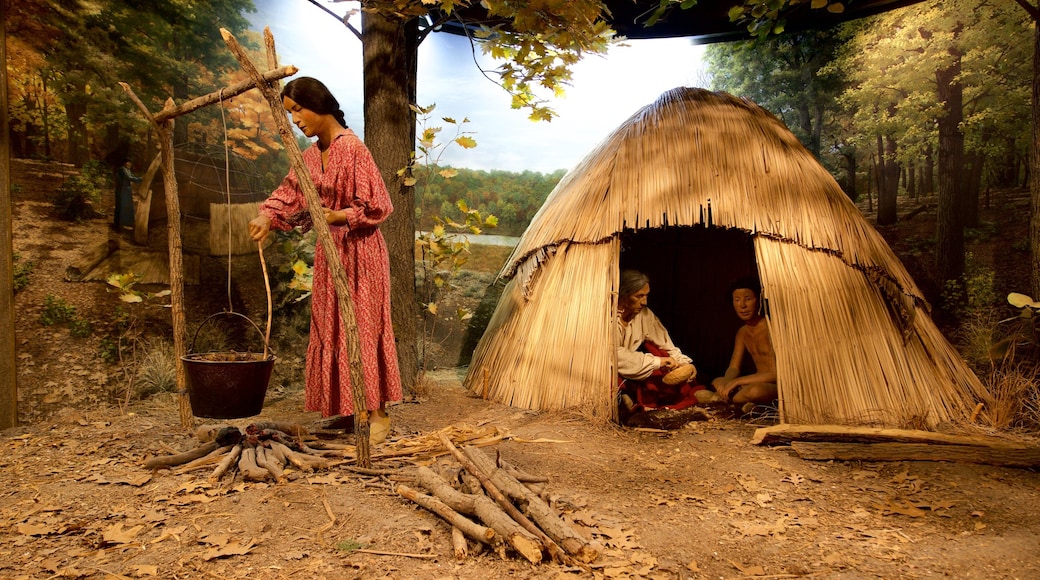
<point x="604" y="92"/>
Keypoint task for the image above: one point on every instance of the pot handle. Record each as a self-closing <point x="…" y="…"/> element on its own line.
<point x="191" y="349"/>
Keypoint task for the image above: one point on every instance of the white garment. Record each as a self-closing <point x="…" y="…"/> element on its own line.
<point x="633" y="364"/>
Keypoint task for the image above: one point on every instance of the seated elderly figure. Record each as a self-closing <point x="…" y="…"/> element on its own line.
<point x="653" y="372"/>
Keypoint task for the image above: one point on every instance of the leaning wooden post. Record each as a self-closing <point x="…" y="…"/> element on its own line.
<point x="339" y="275"/>
<point x="173" y="229"/>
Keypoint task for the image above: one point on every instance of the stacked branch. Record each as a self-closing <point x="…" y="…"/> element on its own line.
<point x="498" y="507"/>
<point x="264" y="451"/>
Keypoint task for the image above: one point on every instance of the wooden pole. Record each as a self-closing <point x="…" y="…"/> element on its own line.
<point x="339" y="276"/>
<point x="8" y="366"/>
<point x="173" y="237"/>
<point x="173" y="229"/>
<point x="170" y="111"/>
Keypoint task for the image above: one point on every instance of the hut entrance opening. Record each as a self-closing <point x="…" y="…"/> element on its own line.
<point x="691" y="270"/>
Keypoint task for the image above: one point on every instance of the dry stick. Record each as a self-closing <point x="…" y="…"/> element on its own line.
<point x="460" y="522"/>
<point x="339" y="276"/>
<point x="270" y="463"/>
<point x="535" y="507"/>
<point x="458" y="544"/>
<point x="181" y="458"/>
<point x="519" y="474"/>
<point x="267" y="286"/>
<point x="248" y="466"/>
<point x="402" y="554"/>
<point x="213" y="457"/>
<point x="555" y="551"/>
<point x="228" y="461"/>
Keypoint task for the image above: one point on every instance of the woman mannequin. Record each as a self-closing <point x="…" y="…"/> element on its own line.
<point x="355" y="201"/>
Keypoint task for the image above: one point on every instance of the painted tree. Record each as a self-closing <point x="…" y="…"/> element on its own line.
<point x="82" y="48"/>
<point x="786" y="74"/>
<point x="1033" y="10"/>
<point x="916" y="73"/>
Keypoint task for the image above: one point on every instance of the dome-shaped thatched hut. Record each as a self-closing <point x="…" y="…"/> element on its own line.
<point x="698" y="189"/>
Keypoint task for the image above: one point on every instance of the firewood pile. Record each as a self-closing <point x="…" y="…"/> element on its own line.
<point x="489" y="503"/>
<point x="260" y="452"/>
<point x="498" y="507"/>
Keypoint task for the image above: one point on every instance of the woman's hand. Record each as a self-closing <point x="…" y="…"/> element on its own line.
<point x="668" y="363"/>
<point x="259" y="227"/>
<point x="335" y="217"/>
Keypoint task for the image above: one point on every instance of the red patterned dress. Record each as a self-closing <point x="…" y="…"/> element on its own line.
<point x="351" y="181"/>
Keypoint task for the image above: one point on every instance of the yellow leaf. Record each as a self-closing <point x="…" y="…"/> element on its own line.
<point x="410" y="181"/>
<point x="819" y="3"/>
<point x="431" y="308"/>
<point x="130" y="297"/>
<point x="448" y="173"/>
<point x="115" y="534"/>
<point x="466" y="142"/>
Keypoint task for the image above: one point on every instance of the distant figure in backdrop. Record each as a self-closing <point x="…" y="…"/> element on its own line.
<point x="125" y="179"/>
<point x="753" y="338"/>
<point x="653" y="372"/>
<point x="355" y="201"/>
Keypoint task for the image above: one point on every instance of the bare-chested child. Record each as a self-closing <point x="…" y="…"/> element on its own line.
<point x="752" y="338"/>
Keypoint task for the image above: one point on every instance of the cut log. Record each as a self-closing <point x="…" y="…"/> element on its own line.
<point x="472" y="529"/>
<point x="205" y="461"/>
<point x="271" y="462"/>
<point x="987" y="455"/>
<point x="168" y="461"/>
<point x="90" y="260"/>
<point x="786" y="433"/>
<point x="228" y="461"/>
<point x="248" y="467"/>
<point x="458" y="544"/>
<point x="535" y="507"/>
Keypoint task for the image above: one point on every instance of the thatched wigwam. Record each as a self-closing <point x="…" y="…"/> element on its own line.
<point x="698" y="189"/>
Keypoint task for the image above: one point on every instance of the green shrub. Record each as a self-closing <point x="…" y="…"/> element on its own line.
<point x="21" y="273"/>
<point x="76" y="197"/>
<point x="56" y="311"/>
<point x="80" y="328"/>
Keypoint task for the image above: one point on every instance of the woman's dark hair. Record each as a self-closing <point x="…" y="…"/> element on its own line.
<point x="632" y="281"/>
<point x="310" y="93"/>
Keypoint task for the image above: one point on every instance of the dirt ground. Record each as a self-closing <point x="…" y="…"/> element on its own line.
<point x="700" y="502"/>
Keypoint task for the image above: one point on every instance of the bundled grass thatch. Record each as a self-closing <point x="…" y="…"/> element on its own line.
<point x="854" y="341"/>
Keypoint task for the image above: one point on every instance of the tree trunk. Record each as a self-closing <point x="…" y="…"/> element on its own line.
<point x="949" y="247"/>
<point x="888" y="184"/>
<point x="911" y="181"/>
<point x="8" y="364"/>
<point x="928" y="172"/>
<point x="970" y="193"/>
<point x="1034" y="170"/>
<point x="850" y="170"/>
<point x="75" y="111"/>
<point x="390" y="50"/>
